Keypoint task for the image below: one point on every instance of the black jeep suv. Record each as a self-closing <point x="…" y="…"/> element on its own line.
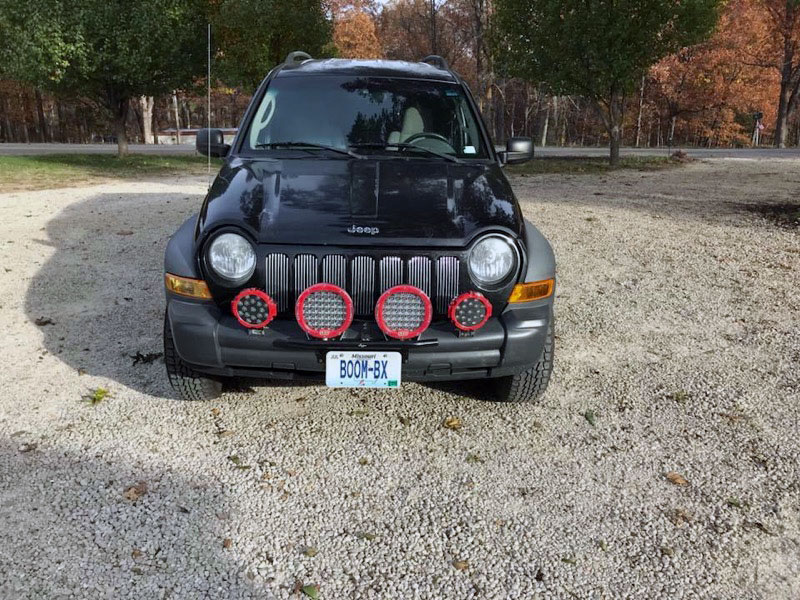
<point x="361" y="230"/>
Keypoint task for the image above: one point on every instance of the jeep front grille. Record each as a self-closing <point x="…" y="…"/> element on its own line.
<point x="364" y="277"/>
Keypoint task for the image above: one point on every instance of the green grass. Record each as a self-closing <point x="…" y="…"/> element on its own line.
<point x="590" y="165"/>
<point x="65" y="170"/>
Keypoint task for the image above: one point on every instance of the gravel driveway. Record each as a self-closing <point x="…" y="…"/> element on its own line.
<point x="664" y="461"/>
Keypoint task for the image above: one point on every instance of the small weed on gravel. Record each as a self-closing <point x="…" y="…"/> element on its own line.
<point x="96" y="396"/>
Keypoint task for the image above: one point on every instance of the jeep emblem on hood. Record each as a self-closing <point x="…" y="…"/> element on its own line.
<point x="369" y="230"/>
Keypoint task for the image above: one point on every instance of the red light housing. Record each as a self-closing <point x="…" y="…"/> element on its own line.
<point x="324" y="310"/>
<point x="470" y="311"/>
<point x="403" y="312"/>
<point x="253" y="308"/>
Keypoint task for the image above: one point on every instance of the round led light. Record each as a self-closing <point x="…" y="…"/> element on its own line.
<point x="403" y="312"/>
<point x="491" y="260"/>
<point x="470" y="311"/>
<point x="232" y="257"/>
<point x="253" y="308"/>
<point x="324" y="310"/>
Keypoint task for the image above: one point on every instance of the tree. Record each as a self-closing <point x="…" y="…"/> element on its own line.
<point x="773" y="27"/>
<point x="109" y="51"/>
<point x="355" y="34"/>
<point x="252" y="36"/>
<point x="596" y="48"/>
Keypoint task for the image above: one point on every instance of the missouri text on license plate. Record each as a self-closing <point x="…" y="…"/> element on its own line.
<point x="363" y="369"/>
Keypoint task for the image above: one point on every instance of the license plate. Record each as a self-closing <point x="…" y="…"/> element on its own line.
<point x="363" y="369"/>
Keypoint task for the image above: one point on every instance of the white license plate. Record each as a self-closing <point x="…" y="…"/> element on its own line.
<point x="363" y="369"/>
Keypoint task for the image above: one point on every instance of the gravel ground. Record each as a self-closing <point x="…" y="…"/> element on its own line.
<point x="678" y="345"/>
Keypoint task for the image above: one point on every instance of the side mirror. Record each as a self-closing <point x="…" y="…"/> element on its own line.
<point x="211" y="142"/>
<point x="518" y="150"/>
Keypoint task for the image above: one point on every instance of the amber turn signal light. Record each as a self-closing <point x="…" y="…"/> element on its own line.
<point x="536" y="290"/>
<point x="193" y="288"/>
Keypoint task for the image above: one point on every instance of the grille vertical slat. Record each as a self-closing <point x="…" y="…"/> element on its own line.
<point x="334" y="270"/>
<point x="363" y="283"/>
<point x="419" y="273"/>
<point x="446" y="281"/>
<point x="391" y="272"/>
<point x="277" y="280"/>
<point x="305" y="272"/>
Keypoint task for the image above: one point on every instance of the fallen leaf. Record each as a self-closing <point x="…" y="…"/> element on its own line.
<point x="136" y="553"/>
<point x="453" y="423"/>
<point x="461" y="565"/>
<point x="145" y="359"/>
<point x="733" y="502"/>
<point x="590" y="417"/>
<point x="310" y="551"/>
<point x="667" y="551"/>
<point x="363" y="461"/>
<point x="238" y="462"/>
<point x="227" y="543"/>
<point x="42" y="321"/>
<point x="676" y="478"/>
<point x="362" y="535"/>
<point x="215" y="412"/>
<point x="680" y="516"/>
<point x="569" y="560"/>
<point x="404" y="421"/>
<point x="225" y="433"/>
<point x="474" y="458"/>
<point x="757" y="525"/>
<point x="312" y="591"/>
<point x="134" y="492"/>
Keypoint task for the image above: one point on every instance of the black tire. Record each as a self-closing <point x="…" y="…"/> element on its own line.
<point x="189" y="384"/>
<point x="530" y="385"/>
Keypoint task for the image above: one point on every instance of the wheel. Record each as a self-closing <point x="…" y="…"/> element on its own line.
<point x="530" y="385"/>
<point x="189" y="384"/>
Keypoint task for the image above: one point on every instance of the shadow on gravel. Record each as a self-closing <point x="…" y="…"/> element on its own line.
<point x="111" y="527"/>
<point x="99" y="298"/>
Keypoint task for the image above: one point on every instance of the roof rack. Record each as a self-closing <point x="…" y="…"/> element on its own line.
<point x="295" y="58"/>
<point x="436" y="61"/>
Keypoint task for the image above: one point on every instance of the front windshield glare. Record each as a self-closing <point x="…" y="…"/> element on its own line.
<point x="374" y="114"/>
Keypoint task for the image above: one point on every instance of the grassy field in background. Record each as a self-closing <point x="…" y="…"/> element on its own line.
<point x="18" y="173"/>
<point x="23" y="173"/>
<point x="589" y="165"/>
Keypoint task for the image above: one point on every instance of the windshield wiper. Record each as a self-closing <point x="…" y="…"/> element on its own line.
<point x="308" y="146"/>
<point x="402" y="146"/>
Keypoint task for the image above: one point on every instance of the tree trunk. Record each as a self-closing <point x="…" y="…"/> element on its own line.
<point x="639" y="117"/>
<point x="611" y="112"/>
<point x="782" y="124"/>
<point x="177" y="118"/>
<point x="44" y="133"/>
<point x="544" y="127"/>
<point x="120" y="121"/>
<point x="145" y="114"/>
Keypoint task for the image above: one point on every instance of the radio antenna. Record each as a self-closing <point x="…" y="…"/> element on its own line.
<point x="208" y="111"/>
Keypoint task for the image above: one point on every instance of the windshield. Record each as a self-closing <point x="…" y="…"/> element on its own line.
<point x="372" y="114"/>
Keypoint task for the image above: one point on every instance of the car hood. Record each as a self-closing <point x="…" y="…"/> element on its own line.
<point x="360" y="202"/>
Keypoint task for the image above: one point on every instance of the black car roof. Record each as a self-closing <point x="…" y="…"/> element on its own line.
<point x="367" y="68"/>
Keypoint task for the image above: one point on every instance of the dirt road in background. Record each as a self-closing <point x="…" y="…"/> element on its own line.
<point x="663" y="462"/>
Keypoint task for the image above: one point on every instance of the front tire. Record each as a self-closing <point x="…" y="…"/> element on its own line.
<point x="190" y="385"/>
<point x="531" y="384"/>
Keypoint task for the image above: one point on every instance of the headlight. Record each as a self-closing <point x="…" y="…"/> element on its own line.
<point x="232" y="257"/>
<point x="491" y="260"/>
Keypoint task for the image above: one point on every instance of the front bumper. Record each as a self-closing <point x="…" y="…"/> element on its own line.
<point x="213" y="342"/>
